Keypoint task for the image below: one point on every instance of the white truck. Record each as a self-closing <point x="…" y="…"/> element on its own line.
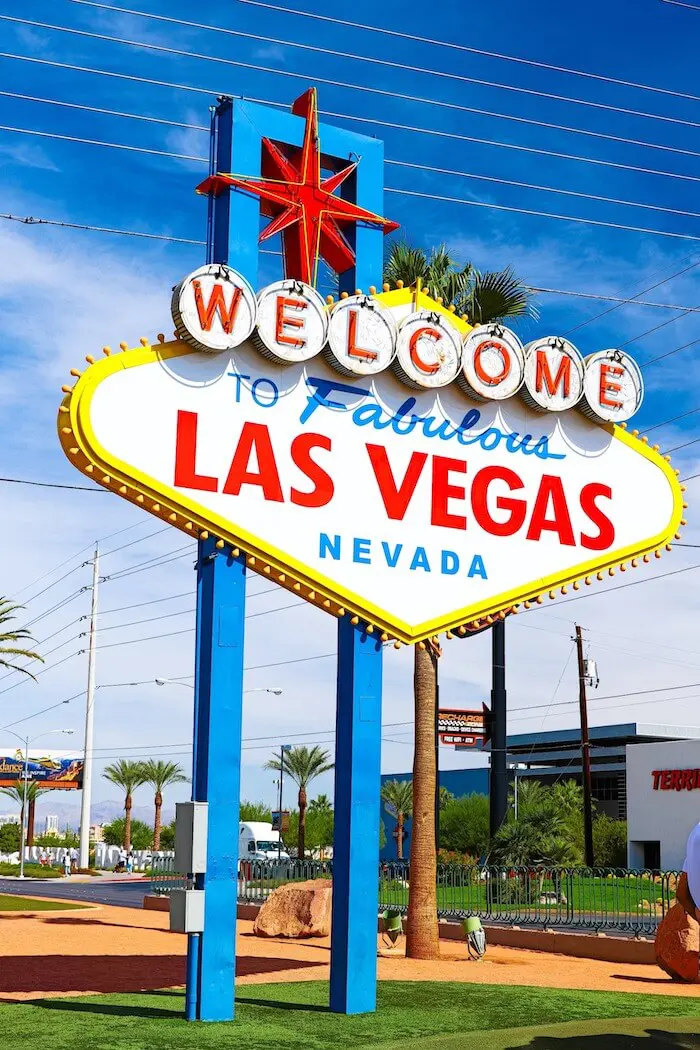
<point x="259" y="841"/>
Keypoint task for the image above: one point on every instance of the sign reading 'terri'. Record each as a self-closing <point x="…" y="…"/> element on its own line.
<point x="378" y="455"/>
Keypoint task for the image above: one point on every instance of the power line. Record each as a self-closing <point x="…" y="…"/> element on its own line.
<point x="96" y="142"/>
<point x="480" y="51"/>
<point x="670" y="353"/>
<point x="315" y="49"/>
<point x="676" y="448"/>
<point x="673" y="419"/>
<point x="50" y="484"/>
<point x="632" y="583"/>
<point x="30" y="220"/>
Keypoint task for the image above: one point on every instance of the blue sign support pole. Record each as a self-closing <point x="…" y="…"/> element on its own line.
<point x="218" y="704"/>
<point x="356" y="836"/>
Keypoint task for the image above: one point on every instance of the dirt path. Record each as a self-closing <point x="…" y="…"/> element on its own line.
<point x="106" y="949"/>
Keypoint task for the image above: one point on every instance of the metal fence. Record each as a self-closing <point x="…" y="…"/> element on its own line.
<point x="614" y="899"/>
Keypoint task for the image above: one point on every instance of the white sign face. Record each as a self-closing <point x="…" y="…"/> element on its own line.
<point x="361" y="336"/>
<point x="214" y="308"/>
<point x="419" y="510"/>
<point x="553" y="375"/>
<point x="428" y="351"/>
<point x="292" y="322"/>
<point x="613" y="387"/>
<point x="493" y="363"/>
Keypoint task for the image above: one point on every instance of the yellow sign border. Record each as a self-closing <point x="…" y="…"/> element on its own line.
<point x="85" y="452"/>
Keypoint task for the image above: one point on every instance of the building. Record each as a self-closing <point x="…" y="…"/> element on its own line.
<point x="9" y="818"/>
<point x="97" y="833"/>
<point x="51" y="824"/>
<point x="625" y="759"/>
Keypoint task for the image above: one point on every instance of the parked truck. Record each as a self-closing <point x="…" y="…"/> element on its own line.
<point x="260" y="841"/>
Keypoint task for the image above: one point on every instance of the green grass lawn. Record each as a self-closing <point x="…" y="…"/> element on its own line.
<point x="8" y="902"/>
<point x="295" y="1016"/>
<point x="32" y="871"/>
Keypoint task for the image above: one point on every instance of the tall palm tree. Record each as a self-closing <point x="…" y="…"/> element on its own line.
<point x="303" y="765"/>
<point x="9" y="639"/>
<point x="483" y="297"/>
<point x="128" y="776"/>
<point x="161" y="775"/>
<point x="422" y="938"/>
<point x="320" y="804"/>
<point x="16" y="793"/>
<point x="397" y="796"/>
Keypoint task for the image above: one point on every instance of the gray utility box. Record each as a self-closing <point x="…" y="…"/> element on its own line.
<point x="191" y="838"/>
<point x="187" y="911"/>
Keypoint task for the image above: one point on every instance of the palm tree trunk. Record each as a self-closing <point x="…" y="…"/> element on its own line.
<point x="399" y="836"/>
<point x="301" y="841"/>
<point x="127" y="823"/>
<point x="422" y="937"/>
<point x="30" y="821"/>
<point x="156" y="823"/>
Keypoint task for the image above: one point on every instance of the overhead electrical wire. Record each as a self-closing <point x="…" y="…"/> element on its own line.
<point x="49" y="484"/>
<point x="315" y="49"/>
<point x="30" y="220"/>
<point x="673" y="419"/>
<point x="477" y="50"/>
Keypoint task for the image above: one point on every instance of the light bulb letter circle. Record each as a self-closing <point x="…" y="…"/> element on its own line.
<point x="493" y="363"/>
<point x="361" y="337"/>
<point x="428" y="351"/>
<point x="292" y="322"/>
<point x="214" y="308"/>
<point x="613" y="387"/>
<point x="553" y="375"/>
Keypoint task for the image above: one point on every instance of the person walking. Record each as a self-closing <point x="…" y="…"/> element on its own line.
<point x="66" y="863"/>
<point x="130" y="862"/>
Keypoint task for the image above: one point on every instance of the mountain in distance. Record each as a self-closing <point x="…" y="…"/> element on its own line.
<point x="66" y="806"/>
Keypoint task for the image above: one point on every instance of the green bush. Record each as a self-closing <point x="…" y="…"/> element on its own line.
<point x="609" y="842"/>
<point x="167" y="836"/>
<point x="34" y="871"/>
<point x="9" y="838"/>
<point x="141" y="834"/>
<point x="464" y="825"/>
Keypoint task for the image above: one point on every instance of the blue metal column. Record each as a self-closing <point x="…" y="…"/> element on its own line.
<point x="356" y="837"/>
<point x="216" y="771"/>
<point x="219" y="208"/>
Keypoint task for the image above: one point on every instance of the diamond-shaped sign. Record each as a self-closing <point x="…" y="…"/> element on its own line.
<point x="418" y="509"/>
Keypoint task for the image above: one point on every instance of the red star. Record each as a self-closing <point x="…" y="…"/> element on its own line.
<point x="302" y="205"/>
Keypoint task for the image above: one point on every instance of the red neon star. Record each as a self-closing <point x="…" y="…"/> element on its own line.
<point x="302" y="206"/>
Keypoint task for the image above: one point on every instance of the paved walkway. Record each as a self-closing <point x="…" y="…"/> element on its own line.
<point x="108" y="949"/>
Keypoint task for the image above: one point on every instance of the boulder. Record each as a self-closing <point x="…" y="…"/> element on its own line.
<point x="677" y="945"/>
<point x="297" y="909"/>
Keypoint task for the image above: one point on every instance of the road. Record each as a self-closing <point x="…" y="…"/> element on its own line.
<point x="125" y="894"/>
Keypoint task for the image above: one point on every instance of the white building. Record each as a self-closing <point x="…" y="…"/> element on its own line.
<point x="663" y="800"/>
<point x="9" y="818"/>
<point x="51" y="824"/>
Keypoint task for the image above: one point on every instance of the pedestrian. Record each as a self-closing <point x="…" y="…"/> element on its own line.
<point x="43" y="858"/>
<point x="66" y="863"/>
<point x="130" y="861"/>
<point x="73" y="858"/>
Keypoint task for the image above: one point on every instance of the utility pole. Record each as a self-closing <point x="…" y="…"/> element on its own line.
<point x="585" y="753"/>
<point x="23" y="837"/>
<point x="498" y="788"/>
<point x="84" y="853"/>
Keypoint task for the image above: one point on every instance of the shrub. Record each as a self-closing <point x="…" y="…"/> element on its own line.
<point x="141" y="834"/>
<point x="9" y="838"/>
<point x="610" y="842"/>
<point x="464" y="825"/>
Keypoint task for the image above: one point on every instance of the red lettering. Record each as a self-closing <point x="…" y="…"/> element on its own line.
<point x="216" y="306"/>
<point x="283" y="320"/>
<point x="656" y="775"/>
<point x="610" y="386"/>
<point x="322" y="492"/>
<point x="543" y="374"/>
<point x="665" y="779"/>
<point x="675" y="780"/>
<point x="255" y="437"/>
<point x="353" y="349"/>
<point x="491" y="344"/>
<point x="444" y="491"/>
<point x="395" y="499"/>
<point x="606" y="530"/>
<point x="186" y="476"/>
<point x="421" y="365"/>
<point x="516" y="508"/>
<point x="551" y="488"/>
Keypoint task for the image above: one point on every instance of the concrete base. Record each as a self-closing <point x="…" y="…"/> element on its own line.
<point x="578" y="945"/>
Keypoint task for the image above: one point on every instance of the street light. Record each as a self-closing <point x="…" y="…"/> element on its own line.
<point x="25" y="777"/>
<point x="186" y="685"/>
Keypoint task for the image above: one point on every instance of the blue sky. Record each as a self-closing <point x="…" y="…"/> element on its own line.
<point x="65" y="293"/>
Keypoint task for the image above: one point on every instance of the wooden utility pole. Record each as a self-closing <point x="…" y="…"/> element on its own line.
<point x="585" y="753"/>
<point x="498" y="785"/>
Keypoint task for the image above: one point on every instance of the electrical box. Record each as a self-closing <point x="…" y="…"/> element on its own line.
<point x="187" y="911"/>
<point x="191" y="837"/>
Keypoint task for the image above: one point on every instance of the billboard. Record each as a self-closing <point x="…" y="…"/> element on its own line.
<point x="56" y="770"/>
<point x="378" y="456"/>
<point x="464" y="728"/>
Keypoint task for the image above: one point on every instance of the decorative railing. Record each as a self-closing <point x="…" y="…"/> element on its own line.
<point x="620" y="900"/>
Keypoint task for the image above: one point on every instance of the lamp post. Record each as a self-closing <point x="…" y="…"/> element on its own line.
<point x="25" y="777"/>
<point x="283" y="749"/>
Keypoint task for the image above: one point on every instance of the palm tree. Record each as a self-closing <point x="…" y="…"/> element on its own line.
<point x="161" y="775"/>
<point x="482" y="297"/>
<point x="9" y="640"/>
<point x="128" y="776"/>
<point x="16" y="793"/>
<point x="303" y="765"/>
<point x="422" y="937"/>
<point x="320" y="804"/>
<point x="397" y="796"/>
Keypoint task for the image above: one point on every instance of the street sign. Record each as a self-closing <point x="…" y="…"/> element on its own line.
<point x="464" y="728"/>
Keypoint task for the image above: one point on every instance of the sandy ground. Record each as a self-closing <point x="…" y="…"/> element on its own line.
<point x="104" y="949"/>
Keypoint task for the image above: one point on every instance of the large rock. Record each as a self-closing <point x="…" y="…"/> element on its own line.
<point x="677" y="945"/>
<point x="297" y="909"/>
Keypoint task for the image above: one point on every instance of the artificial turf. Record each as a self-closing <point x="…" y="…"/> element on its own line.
<point x="295" y="1016"/>
<point x="8" y="902"/>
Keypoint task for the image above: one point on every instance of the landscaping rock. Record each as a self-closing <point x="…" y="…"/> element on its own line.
<point x="297" y="909"/>
<point x="677" y="945"/>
